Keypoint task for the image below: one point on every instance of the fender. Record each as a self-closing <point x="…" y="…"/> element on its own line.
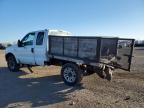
<point x="11" y="54"/>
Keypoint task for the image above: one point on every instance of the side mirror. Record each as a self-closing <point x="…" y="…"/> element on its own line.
<point x="19" y="43"/>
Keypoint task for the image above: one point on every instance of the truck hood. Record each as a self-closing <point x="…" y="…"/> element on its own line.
<point x="10" y="48"/>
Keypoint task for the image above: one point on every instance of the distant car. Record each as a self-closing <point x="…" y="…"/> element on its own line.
<point x="2" y="46"/>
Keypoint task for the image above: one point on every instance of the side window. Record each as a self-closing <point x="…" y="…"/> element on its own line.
<point x="40" y="37"/>
<point x="28" y="39"/>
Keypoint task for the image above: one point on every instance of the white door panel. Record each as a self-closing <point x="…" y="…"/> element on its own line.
<point x="27" y="56"/>
<point x="40" y="48"/>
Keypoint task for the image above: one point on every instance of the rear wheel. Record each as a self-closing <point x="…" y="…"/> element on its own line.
<point x="12" y="64"/>
<point x="71" y="74"/>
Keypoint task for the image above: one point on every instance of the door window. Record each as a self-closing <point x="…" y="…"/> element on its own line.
<point x="28" y="39"/>
<point x="40" y="37"/>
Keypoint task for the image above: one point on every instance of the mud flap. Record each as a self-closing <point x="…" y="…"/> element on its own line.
<point x="108" y="72"/>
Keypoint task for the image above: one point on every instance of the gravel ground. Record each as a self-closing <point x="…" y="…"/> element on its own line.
<point x="44" y="88"/>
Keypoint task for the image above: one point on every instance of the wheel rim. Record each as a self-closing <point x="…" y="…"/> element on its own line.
<point x="69" y="74"/>
<point x="11" y="63"/>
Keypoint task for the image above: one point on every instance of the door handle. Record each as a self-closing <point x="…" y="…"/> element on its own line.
<point x="32" y="50"/>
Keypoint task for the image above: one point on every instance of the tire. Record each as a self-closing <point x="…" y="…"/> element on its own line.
<point x="71" y="74"/>
<point x="12" y="64"/>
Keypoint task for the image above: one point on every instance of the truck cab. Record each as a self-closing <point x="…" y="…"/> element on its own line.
<point x="32" y="49"/>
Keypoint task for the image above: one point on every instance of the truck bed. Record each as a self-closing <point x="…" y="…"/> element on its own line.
<point x="85" y="48"/>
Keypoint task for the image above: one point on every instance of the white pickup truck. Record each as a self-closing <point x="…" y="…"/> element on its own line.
<point x="78" y="55"/>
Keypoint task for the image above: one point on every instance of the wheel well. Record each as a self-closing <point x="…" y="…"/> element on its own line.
<point x="8" y="55"/>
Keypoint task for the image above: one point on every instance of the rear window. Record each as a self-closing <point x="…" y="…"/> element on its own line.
<point x="40" y="37"/>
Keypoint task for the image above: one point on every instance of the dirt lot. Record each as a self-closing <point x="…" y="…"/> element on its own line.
<point x="44" y="88"/>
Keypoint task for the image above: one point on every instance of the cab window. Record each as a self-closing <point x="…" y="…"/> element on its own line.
<point x="28" y="39"/>
<point x="40" y="37"/>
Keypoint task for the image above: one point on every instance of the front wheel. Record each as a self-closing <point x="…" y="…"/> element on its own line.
<point x="71" y="74"/>
<point x="12" y="64"/>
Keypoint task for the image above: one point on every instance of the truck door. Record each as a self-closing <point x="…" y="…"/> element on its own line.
<point x="25" y="53"/>
<point x="40" y="49"/>
<point x="124" y="53"/>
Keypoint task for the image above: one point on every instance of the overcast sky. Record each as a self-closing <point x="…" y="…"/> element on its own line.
<point x="122" y="18"/>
